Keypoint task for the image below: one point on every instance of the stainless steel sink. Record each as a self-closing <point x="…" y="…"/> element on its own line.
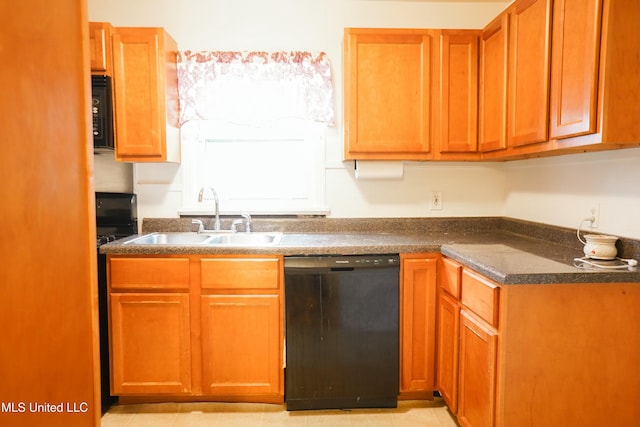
<point x="245" y="239"/>
<point x="170" y="239"/>
<point x="215" y="239"/>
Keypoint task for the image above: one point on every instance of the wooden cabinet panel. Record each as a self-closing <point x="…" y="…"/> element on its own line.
<point x="458" y="106"/>
<point x="417" y="326"/>
<point x="449" y="276"/>
<point x="387" y="93"/>
<point x="494" y="46"/>
<point x="529" y="56"/>
<point x="481" y="296"/>
<point x="240" y="273"/>
<point x="150" y="343"/>
<point x="447" y="340"/>
<point x="477" y="380"/>
<point x="231" y="345"/>
<point x="100" y="47"/>
<point x="574" y="67"/>
<point x="241" y="345"/>
<point x="146" y="95"/>
<point x="149" y="273"/>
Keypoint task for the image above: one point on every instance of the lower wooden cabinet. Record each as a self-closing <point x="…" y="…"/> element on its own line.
<point x="241" y="351"/>
<point x="477" y="370"/>
<point x="417" y="325"/>
<point x="447" y="343"/>
<point x="150" y="343"/>
<point x="197" y="326"/>
<point x="533" y="354"/>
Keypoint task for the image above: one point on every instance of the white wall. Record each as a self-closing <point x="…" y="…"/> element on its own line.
<point x="562" y="190"/>
<point x="546" y="190"/>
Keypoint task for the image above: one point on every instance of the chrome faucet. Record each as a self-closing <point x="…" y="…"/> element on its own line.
<point x="216" y="226"/>
<point x="246" y="220"/>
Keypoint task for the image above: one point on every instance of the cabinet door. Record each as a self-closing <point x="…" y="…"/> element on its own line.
<point x="241" y="345"/>
<point x="477" y="372"/>
<point x="100" y="47"/>
<point x="150" y="343"/>
<point x="447" y="345"/>
<point x="493" y="85"/>
<point x="145" y="82"/>
<point x="529" y="55"/>
<point x="387" y="94"/>
<point x="417" y="327"/>
<point x="458" y="91"/>
<point x="574" y="67"/>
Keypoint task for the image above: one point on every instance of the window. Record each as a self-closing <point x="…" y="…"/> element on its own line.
<point x="256" y="169"/>
<point x="253" y="128"/>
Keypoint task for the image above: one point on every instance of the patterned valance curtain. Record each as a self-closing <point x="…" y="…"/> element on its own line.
<point x="255" y="87"/>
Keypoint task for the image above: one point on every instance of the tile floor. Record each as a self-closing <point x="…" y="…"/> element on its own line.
<point x="412" y="413"/>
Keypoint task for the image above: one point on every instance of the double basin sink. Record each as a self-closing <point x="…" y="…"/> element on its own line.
<point x="208" y="239"/>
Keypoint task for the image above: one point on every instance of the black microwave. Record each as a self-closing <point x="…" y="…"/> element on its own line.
<point x="102" y="112"/>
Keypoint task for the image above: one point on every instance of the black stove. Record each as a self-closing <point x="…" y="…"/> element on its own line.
<point x="116" y="217"/>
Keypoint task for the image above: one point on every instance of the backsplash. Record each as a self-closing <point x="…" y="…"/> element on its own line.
<point x="112" y="176"/>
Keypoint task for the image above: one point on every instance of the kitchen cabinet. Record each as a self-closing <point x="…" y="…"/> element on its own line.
<point x="448" y="331"/>
<point x="411" y="94"/>
<point x="248" y="362"/>
<point x="554" y="77"/>
<point x="150" y="326"/>
<point x="572" y="76"/>
<point x="519" y="344"/>
<point x="467" y="343"/>
<point x="417" y="325"/>
<point x="197" y="326"/>
<point x="387" y="94"/>
<point x="242" y="326"/>
<point x="146" y="95"/>
<point x="575" y="53"/>
<point x="595" y="90"/>
<point x="456" y="114"/>
<point x="100" y="48"/>
<point x="478" y="351"/>
<point x="494" y="45"/>
<point x="528" y="73"/>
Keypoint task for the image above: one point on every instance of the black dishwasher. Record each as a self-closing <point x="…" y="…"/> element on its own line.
<point x="342" y="336"/>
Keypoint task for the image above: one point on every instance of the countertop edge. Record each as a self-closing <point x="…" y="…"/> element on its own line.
<point x="464" y="247"/>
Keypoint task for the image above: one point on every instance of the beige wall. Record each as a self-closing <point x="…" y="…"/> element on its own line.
<point x="554" y="191"/>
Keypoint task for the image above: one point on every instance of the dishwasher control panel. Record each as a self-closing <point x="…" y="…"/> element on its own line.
<point x="343" y="261"/>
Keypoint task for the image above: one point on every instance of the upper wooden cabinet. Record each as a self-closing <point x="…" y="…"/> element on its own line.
<point x="456" y="103"/>
<point x="528" y="78"/>
<point x="494" y="44"/>
<point x="100" y="48"/>
<point x="146" y="95"/>
<point x="573" y="78"/>
<point x="387" y="93"/>
<point x="595" y="88"/>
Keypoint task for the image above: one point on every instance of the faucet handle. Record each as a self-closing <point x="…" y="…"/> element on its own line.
<point x="247" y="222"/>
<point x="200" y="225"/>
<point x="234" y="225"/>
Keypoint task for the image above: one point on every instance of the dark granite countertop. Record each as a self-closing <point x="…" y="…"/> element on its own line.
<point x="486" y="246"/>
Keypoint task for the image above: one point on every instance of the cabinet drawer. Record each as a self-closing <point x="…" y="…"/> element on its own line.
<point x="240" y="273"/>
<point x="481" y="296"/>
<point x="149" y="273"/>
<point x="450" y="277"/>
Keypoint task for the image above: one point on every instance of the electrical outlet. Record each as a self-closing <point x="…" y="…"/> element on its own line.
<point x="595" y="216"/>
<point x="435" y="200"/>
